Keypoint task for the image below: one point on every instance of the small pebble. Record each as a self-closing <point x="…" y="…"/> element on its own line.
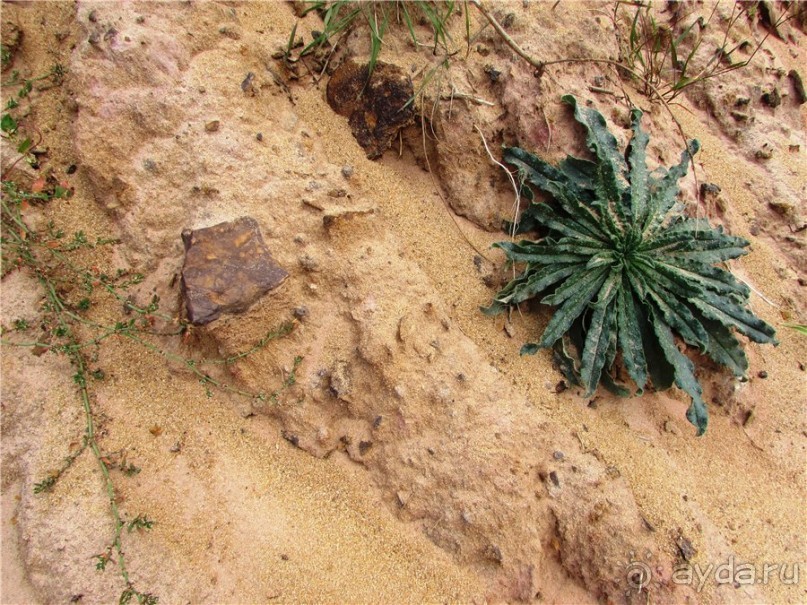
<point x="246" y="84"/>
<point x="308" y="263"/>
<point x="558" y="455"/>
<point x="347" y="171"/>
<point x="772" y="99"/>
<point x="300" y="312"/>
<point x="493" y="73"/>
<point x="763" y="374"/>
<point x="212" y="126"/>
<point x="259" y="136"/>
<point x="709" y="189"/>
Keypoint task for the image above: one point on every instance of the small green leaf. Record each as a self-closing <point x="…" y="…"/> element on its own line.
<point x="24" y="146"/>
<point x="496" y="308"/>
<point x="802" y="329"/>
<point x="529" y="349"/>
<point x="8" y="124"/>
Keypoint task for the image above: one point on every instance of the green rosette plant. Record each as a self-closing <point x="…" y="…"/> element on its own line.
<point x="627" y="272"/>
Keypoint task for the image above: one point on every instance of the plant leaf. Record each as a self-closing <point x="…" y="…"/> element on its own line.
<point x="684" y="374"/>
<point x="630" y="334"/>
<point x="576" y="297"/>
<point x="599" y="333"/>
<point x="536" y="284"/>
<point x="24" y="146"/>
<point x="638" y="169"/>
<point x="731" y="314"/>
<point x="529" y="252"/>
<point x="679" y="317"/>
<point x="723" y="347"/>
<point x="664" y="189"/>
<point x="611" y="167"/>
<point x="567" y="193"/>
<point x="529" y="349"/>
<point x="661" y="371"/>
<point x="8" y="124"/>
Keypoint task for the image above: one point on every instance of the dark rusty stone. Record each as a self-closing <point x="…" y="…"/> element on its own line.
<point x="376" y="110"/>
<point x="227" y="268"/>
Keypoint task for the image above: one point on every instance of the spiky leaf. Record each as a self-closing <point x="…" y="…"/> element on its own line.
<point x="627" y="271"/>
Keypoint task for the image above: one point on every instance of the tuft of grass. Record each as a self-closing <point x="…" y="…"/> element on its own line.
<point x="661" y="56"/>
<point x="342" y="16"/>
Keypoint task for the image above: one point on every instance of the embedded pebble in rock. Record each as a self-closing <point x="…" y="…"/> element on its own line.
<point x="227" y="268"/>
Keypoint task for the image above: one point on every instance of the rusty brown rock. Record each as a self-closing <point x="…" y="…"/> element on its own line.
<point x="376" y="109"/>
<point x="227" y="268"/>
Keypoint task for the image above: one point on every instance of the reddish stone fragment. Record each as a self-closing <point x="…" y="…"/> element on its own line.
<point x="377" y="106"/>
<point x="227" y="268"/>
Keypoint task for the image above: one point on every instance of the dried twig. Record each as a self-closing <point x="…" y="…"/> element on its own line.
<point x="517" y="202"/>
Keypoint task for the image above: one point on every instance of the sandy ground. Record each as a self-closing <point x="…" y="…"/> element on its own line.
<point x="244" y="516"/>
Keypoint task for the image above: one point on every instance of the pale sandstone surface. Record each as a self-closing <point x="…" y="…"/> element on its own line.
<point x="431" y="462"/>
